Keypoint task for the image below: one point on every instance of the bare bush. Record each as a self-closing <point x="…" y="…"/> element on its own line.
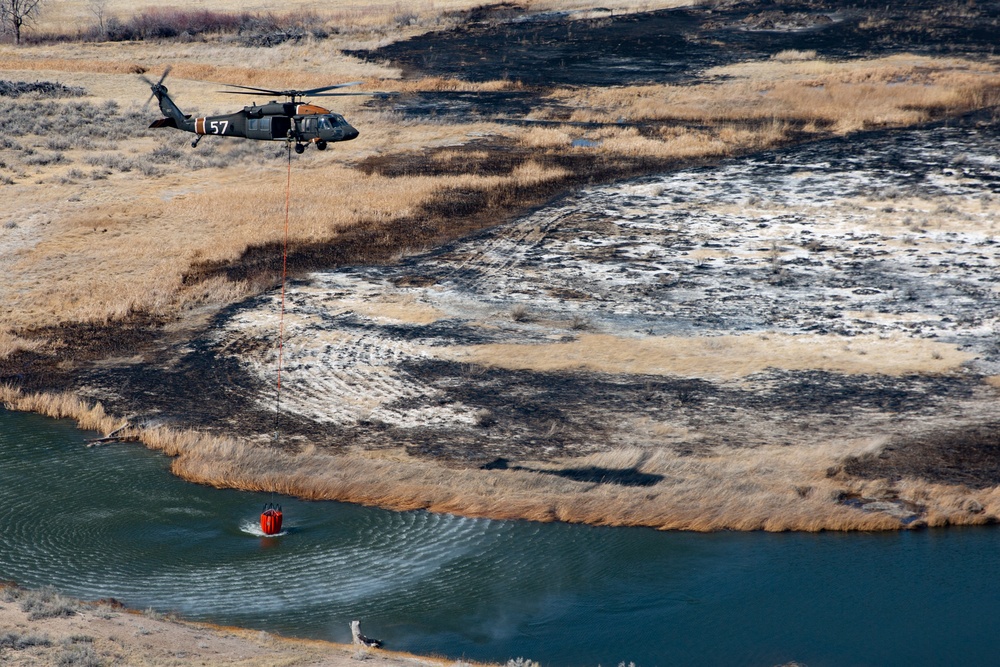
<point x="521" y="313"/>
<point x="485" y="418"/>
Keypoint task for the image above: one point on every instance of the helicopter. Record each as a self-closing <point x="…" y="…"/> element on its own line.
<point x="288" y="121"/>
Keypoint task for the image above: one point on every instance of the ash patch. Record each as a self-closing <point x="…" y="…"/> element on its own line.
<point x="881" y="235"/>
<point x="834" y="394"/>
<point x="678" y="45"/>
<point x="968" y="456"/>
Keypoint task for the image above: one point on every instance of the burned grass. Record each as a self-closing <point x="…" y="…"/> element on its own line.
<point x="678" y="45"/>
<point x="968" y="457"/>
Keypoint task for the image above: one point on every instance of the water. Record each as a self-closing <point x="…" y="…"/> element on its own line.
<point x="112" y="522"/>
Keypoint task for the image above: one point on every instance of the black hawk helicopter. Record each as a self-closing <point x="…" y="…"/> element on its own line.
<point x="275" y="121"/>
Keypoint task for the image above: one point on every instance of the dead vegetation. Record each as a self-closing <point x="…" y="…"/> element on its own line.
<point x="721" y="357"/>
<point x="773" y="488"/>
<point x="801" y="92"/>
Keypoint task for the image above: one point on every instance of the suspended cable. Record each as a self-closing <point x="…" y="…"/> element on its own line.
<point x="284" y="276"/>
<point x="271" y="516"/>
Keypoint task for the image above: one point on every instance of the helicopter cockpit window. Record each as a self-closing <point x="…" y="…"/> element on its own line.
<point x="324" y="124"/>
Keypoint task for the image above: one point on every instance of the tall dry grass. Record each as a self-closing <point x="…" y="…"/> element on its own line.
<point x="773" y="488"/>
<point x="719" y="357"/>
<point x="817" y="94"/>
<point x="11" y="343"/>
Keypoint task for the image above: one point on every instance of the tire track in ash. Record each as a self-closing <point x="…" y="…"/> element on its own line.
<point x="496" y="262"/>
<point x="349" y="376"/>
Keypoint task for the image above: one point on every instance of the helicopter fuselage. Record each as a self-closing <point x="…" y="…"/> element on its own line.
<point x="275" y="121"/>
<point x="278" y="121"/>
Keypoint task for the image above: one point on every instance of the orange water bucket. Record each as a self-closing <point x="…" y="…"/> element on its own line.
<point x="270" y="519"/>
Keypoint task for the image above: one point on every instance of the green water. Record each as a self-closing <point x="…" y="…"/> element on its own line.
<point x="111" y="521"/>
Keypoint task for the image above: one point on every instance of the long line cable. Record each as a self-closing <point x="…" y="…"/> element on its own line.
<point x="284" y="277"/>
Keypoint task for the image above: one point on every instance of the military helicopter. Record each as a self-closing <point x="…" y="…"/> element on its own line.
<point x="288" y="121"/>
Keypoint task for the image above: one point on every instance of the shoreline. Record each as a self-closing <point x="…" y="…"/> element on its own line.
<point x="45" y="627"/>
<point x="834" y="502"/>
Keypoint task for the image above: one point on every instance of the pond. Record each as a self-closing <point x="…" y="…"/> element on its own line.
<point x="112" y="522"/>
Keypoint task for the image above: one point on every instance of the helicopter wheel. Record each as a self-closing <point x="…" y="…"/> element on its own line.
<point x="300" y="148"/>
<point x="321" y="145"/>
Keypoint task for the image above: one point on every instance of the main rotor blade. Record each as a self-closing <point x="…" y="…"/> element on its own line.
<point x="286" y="93"/>
<point x="313" y="91"/>
<point x="341" y="94"/>
<point x="263" y="91"/>
<point x="268" y="93"/>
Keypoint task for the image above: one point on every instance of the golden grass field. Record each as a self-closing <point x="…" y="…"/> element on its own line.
<point x="101" y="249"/>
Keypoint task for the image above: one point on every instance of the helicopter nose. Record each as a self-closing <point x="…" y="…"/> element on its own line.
<point x="350" y="133"/>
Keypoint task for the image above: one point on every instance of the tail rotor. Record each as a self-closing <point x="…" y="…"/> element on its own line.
<point x="157" y="87"/>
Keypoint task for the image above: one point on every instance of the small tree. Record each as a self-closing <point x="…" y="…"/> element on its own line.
<point x="99" y="8"/>
<point x="15" y="14"/>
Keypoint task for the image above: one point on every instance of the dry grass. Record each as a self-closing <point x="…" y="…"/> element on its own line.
<point x="720" y="357"/>
<point x="102" y="633"/>
<point x="768" y="488"/>
<point x="157" y="227"/>
<point x="11" y="343"/>
<point x="132" y="238"/>
<point x="364" y="23"/>
<point x="818" y="94"/>
<point x="771" y="488"/>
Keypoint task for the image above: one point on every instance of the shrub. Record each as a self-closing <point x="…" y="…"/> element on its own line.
<point x="46" y="603"/>
<point x="485" y="418"/>
<point x="18" y="642"/>
<point x="520" y="313"/>
<point x="80" y="656"/>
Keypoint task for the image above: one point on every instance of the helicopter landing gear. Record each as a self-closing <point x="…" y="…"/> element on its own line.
<point x="194" y="144"/>
<point x="300" y="148"/>
<point x="321" y="145"/>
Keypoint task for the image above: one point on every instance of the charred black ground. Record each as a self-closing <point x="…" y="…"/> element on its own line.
<point x="673" y="46"/>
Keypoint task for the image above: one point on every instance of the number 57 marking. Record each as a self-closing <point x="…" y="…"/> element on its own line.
<point x="218" y="126"/>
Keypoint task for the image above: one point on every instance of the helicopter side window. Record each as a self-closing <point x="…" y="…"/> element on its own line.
<point x="310" y="125"/>
<point x="253" y="124"/>
<point x="324" y="124"/>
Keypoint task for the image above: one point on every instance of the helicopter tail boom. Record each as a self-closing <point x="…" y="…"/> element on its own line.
<point x="171" y="110"/>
